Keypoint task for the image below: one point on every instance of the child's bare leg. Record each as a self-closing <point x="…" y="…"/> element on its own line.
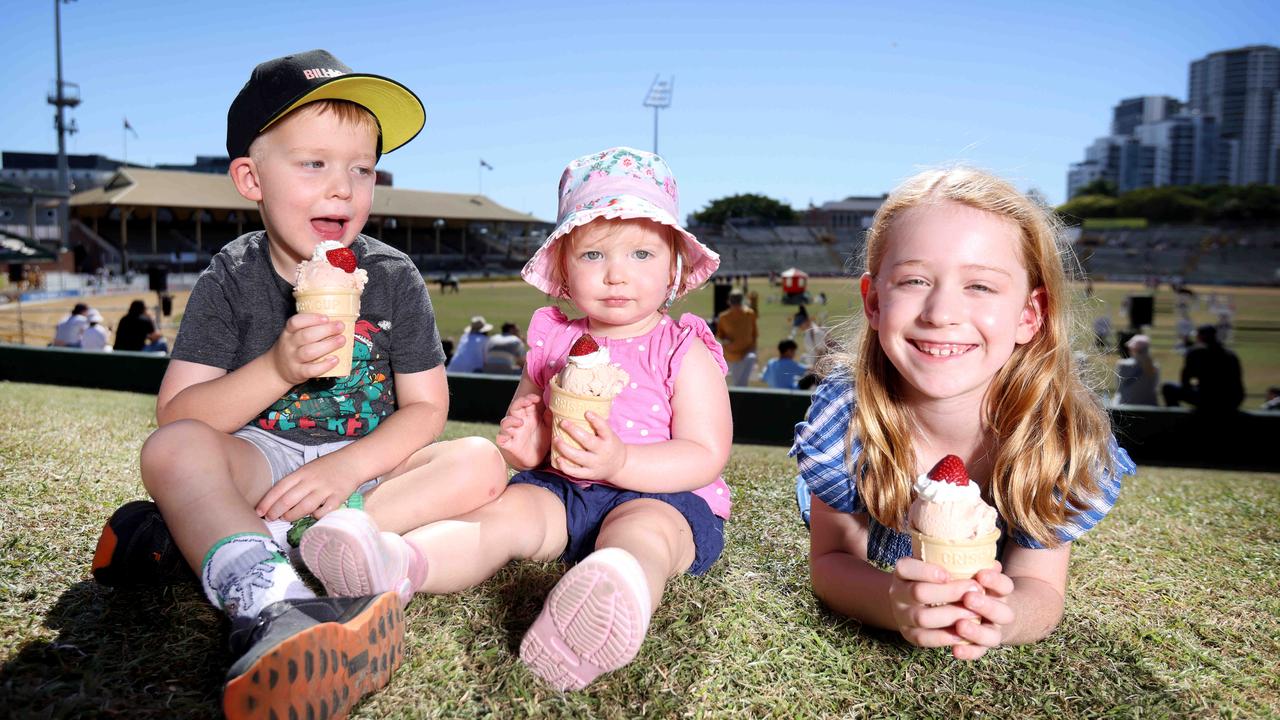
<point x="351" y="556"/>
<point x="596" y="617"/>
<point x="525" y="522"/>
<point x="442" y="480"/>
<point x="204" y="482"/>
<point x="656" y="535"/>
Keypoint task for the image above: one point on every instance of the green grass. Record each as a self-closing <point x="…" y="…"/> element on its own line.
<point x="1172" y="609"/>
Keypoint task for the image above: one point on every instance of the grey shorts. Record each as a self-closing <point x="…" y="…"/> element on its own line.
<point x="285" y="456"/>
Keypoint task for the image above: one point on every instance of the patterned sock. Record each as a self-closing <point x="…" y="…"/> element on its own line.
<point x="244" y="573"/>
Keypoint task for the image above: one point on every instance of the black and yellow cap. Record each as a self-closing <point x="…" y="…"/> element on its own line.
<point x="280" y="86"/>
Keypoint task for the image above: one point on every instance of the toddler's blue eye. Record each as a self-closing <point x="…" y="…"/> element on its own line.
<point x="643" y="254"/>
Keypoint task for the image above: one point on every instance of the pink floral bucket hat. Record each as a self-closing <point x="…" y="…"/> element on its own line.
<point x="619" y="183"/>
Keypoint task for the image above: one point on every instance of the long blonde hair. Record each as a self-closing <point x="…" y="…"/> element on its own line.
<point x="1050" y="431"/>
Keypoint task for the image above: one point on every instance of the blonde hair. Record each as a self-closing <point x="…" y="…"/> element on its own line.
<point x="1051" y="433"/>
<point x="564" y="245"/>
<point x="348" y="114"/>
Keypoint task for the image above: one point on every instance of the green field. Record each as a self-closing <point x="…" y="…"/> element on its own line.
<point x="1257" y="338"/>
<point x="1172" y="609"/>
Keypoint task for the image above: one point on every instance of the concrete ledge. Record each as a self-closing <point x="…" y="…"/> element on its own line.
<point x="1152" y="435"/>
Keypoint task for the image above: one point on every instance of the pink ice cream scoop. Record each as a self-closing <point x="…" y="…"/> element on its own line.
<point x="587" y="371"/>
<point x="948" y="505"/>
<point x="331" y="266"/>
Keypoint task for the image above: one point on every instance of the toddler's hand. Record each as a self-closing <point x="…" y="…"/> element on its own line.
<point x="925" y="605"/>
<point x="304" y="346"/>
<point x="603" y="453"/>
<point x="315" y="489"/>
<point x="987" y="631"/>
<point x="521" y="434"/>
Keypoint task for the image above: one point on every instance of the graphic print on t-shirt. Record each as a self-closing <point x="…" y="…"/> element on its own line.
<point x="340" y="406"/>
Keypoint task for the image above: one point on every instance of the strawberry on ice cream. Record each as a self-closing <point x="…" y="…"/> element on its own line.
<point x="587" y="370"/>
<point x="331" y="266"/>
<point x="948" y="505"/>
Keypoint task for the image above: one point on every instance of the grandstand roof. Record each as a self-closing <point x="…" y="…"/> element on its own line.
<point x="144" y="187"/>
<point x="863" y="204"/>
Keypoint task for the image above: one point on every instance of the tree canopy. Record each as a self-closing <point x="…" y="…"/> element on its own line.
<point x="748" y="207"/>
<point x="1179" y="204"/>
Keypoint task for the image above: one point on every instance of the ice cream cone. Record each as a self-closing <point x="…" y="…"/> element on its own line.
<point x="570" y="406"/>
<point x="342" y="304"/>
<point x="962" y="558"/>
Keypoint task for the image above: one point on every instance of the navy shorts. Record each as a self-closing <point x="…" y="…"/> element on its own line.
<point x="586" y="507"/>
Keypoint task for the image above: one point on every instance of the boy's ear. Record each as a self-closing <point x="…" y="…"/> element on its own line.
<point x="244" y="173"/>
<point x="870" y="300"/>
<point x="1032" y="317"/>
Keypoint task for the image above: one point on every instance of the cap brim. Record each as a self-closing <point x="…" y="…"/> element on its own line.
<point x="702" y="260"/>
<point x="400" y="113"/>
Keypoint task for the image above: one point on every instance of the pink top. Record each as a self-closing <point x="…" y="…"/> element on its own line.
<point x="641" y="413"/>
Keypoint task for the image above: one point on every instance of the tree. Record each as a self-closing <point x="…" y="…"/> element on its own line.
<point x="1100" y="186"/>
<point x="748" y="206"/>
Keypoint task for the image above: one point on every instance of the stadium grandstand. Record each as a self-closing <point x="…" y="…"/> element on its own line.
<point x="148" y="217"/>
<point x="1195" y="254"/>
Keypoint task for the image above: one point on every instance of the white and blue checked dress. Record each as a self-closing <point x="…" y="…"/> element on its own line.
<point x="820" y="452"/>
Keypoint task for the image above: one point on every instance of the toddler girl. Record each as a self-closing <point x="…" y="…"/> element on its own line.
<point x="964" y="350"/>
<point x="634" y="500"/>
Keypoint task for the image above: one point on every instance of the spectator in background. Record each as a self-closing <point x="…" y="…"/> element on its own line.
<point x="71" y="328"/>
<point x="1102" y="331"/>
<point x="1211" y="377"/>
<point x="136" y="331"/>
<point x="446" y="344"/>
<point x="471" y="348"/>
<point x="783" y="372"/>
<point x="815" y="342"/>
<point x="97" y="336"/>
<point x="504" y="353"/>
<point x="737" y="330"/>
<point x="1139" y="375"/>
<point x="799" y="320"/>
<point x="1273" y="399"/>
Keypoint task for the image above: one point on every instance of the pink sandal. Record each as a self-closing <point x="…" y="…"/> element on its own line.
<point x="351" y="557"/>
<point x="593" y="621"/>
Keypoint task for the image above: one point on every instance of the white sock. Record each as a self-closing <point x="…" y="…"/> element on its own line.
<point x="279" y="530"/>
<point x="242" y="574"/>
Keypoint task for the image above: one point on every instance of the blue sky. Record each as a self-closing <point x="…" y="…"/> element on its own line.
<point x="803" y="101"/>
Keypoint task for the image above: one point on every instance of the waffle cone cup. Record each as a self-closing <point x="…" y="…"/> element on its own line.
<point x="573" y="407"/>
<point x="962" y="558"/>
<point x="341" y="304"/>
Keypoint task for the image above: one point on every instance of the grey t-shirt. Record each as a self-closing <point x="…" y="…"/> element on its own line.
<point x="239" y="307"/>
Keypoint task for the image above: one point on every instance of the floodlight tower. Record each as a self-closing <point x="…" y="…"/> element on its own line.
<point x="64" y="95"/>
<point x="659" y="97"/>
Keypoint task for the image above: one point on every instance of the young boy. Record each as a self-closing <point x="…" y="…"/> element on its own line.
<point x="250" y="438"/>
<point x="783" y="371"/>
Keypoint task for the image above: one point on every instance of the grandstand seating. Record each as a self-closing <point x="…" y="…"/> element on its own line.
<point x="1197" y="254"/>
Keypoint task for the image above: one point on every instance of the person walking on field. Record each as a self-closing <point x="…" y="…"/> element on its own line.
<point x="737" y="330"/>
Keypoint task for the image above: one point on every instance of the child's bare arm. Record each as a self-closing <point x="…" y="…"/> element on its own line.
<point x="523" y="437"/>
<point x="1022" y="602"/>
<point x="917" y="599"/>
<point x="322" y="485"/>
<point x="227" y="401"/>
<point x="701" y="437"/>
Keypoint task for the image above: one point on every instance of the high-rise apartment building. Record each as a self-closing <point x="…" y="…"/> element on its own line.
<point x="1228" y="131"/>
<point x="1241" y="88"/>
<point x="1132" y="112"/>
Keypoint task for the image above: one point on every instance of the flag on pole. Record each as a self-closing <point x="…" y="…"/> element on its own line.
<point x="129" y="127"/>
<point x="484" y="164"/>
